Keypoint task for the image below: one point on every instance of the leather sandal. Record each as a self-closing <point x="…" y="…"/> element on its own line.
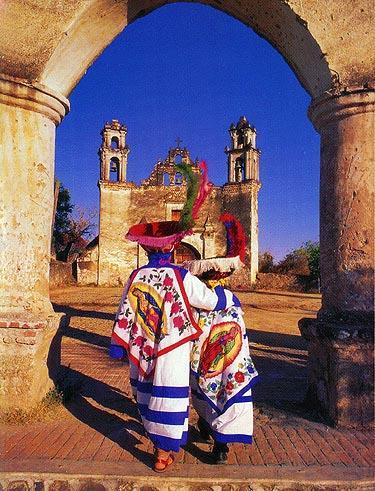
<point x="161" y="465"/>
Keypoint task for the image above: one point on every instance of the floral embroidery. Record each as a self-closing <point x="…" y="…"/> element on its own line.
<point x="168" y="297"/>
<point x="221" y="383"/>
<point x="123" y="323"/>
<point x="153" y="316"/>
<point x="239" y="377"/>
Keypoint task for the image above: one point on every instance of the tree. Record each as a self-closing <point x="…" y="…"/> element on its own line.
<point x="303" y="261"/>
<point x="312" y="251"/>
<point x="266" y="263"/>
<point x="295" y="262"/>
<point x="71" y="231"/>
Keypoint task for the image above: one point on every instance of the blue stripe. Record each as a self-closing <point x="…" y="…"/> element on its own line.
<point x="236" y="301"/>
<point x="180" y="270"/>
<point x="162" y="390"/>
<point x="221" y="298"/>
<point x="116" y="351"/>
<point x="168" y="444"/>
<point x="164" y="417"/>
<point x="231" y="438"/>
<point x="238" y="398"/>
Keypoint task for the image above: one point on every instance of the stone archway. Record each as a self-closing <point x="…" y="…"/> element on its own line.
<point x="326" y="49"/>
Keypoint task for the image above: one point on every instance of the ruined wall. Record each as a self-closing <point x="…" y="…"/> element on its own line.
<point x="60" y="274"/>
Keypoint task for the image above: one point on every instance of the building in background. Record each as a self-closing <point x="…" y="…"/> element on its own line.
<point x="109" y="259"/>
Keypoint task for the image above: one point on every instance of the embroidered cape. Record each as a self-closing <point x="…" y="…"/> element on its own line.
<point x="154" y="316"/>
<point x="220" y="358"/>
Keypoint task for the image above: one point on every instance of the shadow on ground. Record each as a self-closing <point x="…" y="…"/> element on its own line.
<point x="279" y="395"/>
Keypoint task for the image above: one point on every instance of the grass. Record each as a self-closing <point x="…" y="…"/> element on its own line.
<point x="47" y="409"/>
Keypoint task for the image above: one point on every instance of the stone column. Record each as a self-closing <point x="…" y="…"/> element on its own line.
<point x="28" y="116"/>
<point x="341" y="340"/>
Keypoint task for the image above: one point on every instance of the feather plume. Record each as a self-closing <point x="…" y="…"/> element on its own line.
<point x="205" y="188"/>
<point x="186" y="220"/>
<point x="236" y="238"/>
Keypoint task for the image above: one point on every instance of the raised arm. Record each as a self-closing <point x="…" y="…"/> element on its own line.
<point x="202" y="297"/>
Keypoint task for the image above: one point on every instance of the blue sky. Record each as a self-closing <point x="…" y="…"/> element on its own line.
<point x="188" y="71"/>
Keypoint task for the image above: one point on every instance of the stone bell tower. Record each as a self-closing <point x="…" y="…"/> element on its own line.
<point x="115" y="200"/>
<point x="240" y="193"/>
<point x="113" y="152"/>
<point x="243" y="156"/>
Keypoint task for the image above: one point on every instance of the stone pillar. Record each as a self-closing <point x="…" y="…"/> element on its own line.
<point x="341" y="339"/>
<point x="28" y="115"/>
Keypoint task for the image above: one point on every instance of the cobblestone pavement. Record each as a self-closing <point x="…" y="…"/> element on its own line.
<point x="100" y="424"/>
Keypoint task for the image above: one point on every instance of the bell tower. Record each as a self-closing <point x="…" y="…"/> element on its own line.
<point x="113" y="152"/>
<point x="240" y="193"/>
<point x="243" y="156"/>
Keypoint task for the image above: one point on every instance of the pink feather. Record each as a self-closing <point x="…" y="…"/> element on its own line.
<point x="205" y="188"/>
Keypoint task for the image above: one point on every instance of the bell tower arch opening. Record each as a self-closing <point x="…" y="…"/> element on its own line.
<point x="113" y="153"/>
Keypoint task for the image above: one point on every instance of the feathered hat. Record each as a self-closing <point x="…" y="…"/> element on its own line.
<point x="164" y="235"/>
<point x="220" y="267"/>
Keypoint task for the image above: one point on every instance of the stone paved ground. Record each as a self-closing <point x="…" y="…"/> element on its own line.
<point x="99" y="424"/>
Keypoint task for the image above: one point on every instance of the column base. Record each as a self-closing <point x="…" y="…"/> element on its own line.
<point x="341" y="371"/>
<point x="25" y="375"/>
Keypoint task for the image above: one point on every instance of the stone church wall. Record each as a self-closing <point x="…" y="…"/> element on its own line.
<point x="121" y="207"/>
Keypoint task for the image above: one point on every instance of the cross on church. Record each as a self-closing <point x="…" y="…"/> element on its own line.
<point x="178" y="141"/>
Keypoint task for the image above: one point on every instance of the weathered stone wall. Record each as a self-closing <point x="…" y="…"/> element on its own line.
<point x="124" y="205"/>
<point x="24" y="372"/>
<point x="60" y="274"/>
<point x="241" y="199"/>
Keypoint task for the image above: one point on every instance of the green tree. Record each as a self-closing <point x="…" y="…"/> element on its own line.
<point x="312" y="251"/>
<point x="303" y="261"/>
<point x="294" y="262"/>
<point x="64" y="208"/>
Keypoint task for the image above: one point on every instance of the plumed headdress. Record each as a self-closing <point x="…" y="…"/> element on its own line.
<point x="165" y="235"/>
<point x="220" y="267"/>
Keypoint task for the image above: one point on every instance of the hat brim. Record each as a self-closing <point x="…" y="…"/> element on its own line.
<point x="157" y="235"/>
<point x="220" y="265"/>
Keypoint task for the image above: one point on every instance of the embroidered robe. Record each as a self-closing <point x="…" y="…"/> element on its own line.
<point x="155" y="324"/>
<point x="223" y="375"/>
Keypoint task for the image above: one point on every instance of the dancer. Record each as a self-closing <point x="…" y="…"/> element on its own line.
<point x="222" y="370"/>
<point x="155" y="325"/>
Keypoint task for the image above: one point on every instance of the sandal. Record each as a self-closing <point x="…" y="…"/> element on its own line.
<point x="162" y="464"/>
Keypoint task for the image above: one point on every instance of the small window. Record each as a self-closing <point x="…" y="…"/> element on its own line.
<point x="166" y="179"/>
<point x="178" y="159"/>
<point x="115" y="143"/>
<point x="176" y="215"/>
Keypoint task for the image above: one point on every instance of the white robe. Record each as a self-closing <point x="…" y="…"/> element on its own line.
<point x="223" y="375"/>
<point x="155" y="324"/>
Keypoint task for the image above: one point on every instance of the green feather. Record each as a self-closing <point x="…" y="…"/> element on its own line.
<point x="186" y="220"/>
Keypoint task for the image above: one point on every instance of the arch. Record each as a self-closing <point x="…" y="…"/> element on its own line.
<point x="166" y="179"/>
<point x="115" y="144"/>
<point x="92" y="28"/>
<point x="178" y="179"/>
<point x="114" y="169"/>
<point x="239" y="170"/>
<point x="185" y="252"/>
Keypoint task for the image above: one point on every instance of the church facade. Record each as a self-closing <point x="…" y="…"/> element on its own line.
<point x="109" y="258"/>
